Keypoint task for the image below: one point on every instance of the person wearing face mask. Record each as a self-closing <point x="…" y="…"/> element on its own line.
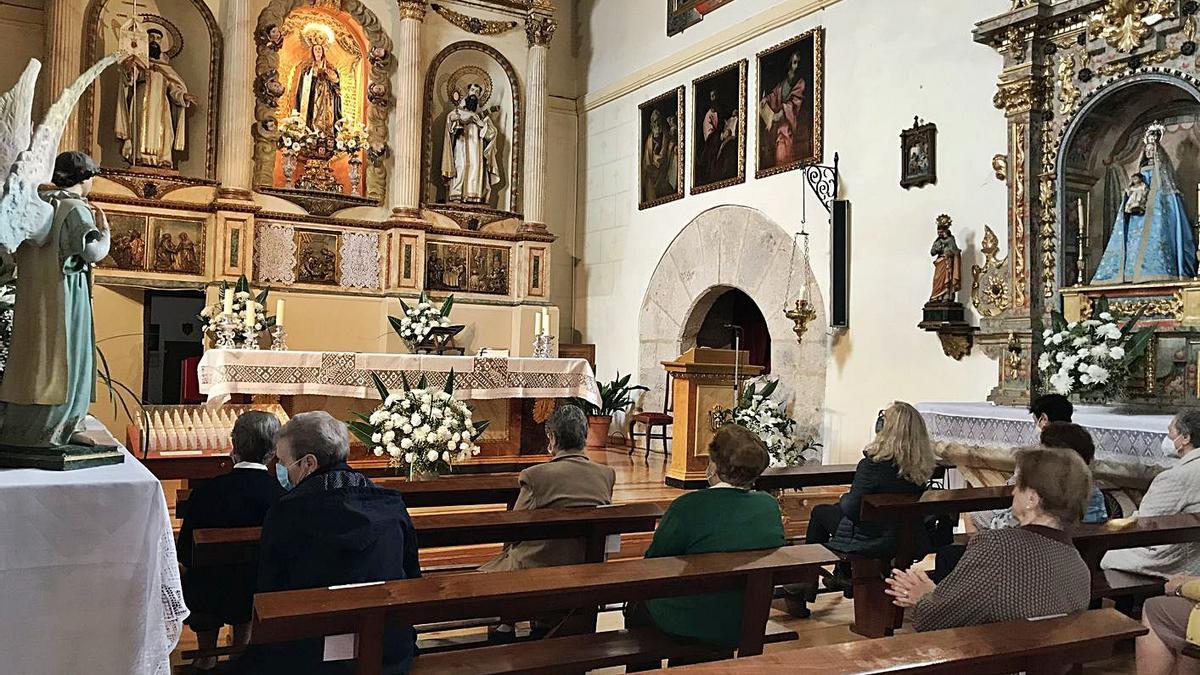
<point x="1014" y="573"/>
<point x="224" y="594"/>
<point x="334" y="527"/>
<point x="1176" y="490"/>
<point x="728" y="516"/>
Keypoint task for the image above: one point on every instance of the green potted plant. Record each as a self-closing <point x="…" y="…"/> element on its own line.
<point x="615" y="396"/>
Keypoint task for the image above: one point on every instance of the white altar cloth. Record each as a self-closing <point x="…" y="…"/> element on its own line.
<point x="89" y="581"/>
<point x="1120" y="437"/>
<point x="224" y="372"/>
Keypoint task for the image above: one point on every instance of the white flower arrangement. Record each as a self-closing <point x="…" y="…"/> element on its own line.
<point x="417" y="323"/>
<point x="1090" y="358"/>
<point x="350" y="136"/>
<point x="421" y="430"/>
<point x="768" y="417"/>
<point x="211" y="316"/>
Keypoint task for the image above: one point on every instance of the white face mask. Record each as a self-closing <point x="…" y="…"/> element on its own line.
<point x="1168" y="446"/>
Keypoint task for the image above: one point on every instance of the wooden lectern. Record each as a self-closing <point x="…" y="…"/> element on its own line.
<point x="703" y="380"/>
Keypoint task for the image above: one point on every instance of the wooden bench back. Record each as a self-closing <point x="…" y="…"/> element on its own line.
<point x="314" y="613"/>
<point x="225" y="546"/>
<point x="1013" y="646"/>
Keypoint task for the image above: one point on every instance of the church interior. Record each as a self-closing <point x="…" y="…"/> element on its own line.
<point x="816" y="297"/>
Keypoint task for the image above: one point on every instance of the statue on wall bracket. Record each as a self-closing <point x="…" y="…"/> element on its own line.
<point x="944" y="314"/>
<point x="152" y="107"/>
<point x="56" y="236"/>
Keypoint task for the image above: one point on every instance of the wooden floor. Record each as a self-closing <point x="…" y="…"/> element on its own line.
<point x="831" y="613"/>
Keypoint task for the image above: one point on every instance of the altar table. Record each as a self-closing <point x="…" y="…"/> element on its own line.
<point x="1128" y="446"/>
<point x="89" y="581"/>
<point x="515" y="394"/>
<point x="224" y="372"/>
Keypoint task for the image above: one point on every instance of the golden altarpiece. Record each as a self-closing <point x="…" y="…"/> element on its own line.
<point x="1084" y="84"/>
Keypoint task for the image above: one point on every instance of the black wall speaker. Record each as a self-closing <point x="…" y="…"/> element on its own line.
<point x="839" y="266"/>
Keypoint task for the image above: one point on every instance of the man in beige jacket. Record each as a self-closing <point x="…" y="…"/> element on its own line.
<point x="568" y="480"/>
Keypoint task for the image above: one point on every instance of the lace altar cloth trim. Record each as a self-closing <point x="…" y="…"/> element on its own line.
<point x="224" y="372"/>
<point x="1119" y="437"/>
<point x="275" y="253"/>
<point x="360" y="260"/>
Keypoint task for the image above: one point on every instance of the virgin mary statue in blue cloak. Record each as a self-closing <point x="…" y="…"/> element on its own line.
<point x="1152" y="238"/>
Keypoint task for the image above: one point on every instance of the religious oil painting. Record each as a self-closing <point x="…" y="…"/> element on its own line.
<point x="176" y="246"/>
<point x="537" y="272"/>
<point x="467" y="268"/>
<point x="683" y="14"/>
<point x="791" y="104"/>
<point x="918" y="155"/>
<point x="662" y="138"/>
<point x="128" y="249"/>
<point x="316" y="257"/>
<point x="719" y="128"/>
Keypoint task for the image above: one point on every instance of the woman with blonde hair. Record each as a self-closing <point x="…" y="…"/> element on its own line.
<point x="899" y="460"/>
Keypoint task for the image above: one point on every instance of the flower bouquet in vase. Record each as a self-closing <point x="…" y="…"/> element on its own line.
<point x="1091" y="359"/>
<point x="238" y="316"/>
<point x="768" y="418"/>
<point x="416" y="326"/>
<point x="421" y="430"/>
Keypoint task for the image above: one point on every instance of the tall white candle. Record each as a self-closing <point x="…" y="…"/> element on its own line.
<point x="228" y="301"/>
<point x="251" y="315"/>
<point x="545" y="321"/>
<point x="537" y="324"/>
<point x="279" y="312"/>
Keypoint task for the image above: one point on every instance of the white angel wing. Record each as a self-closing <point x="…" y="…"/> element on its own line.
<point x="16" y="107"/>
<point x="23" y="214"/>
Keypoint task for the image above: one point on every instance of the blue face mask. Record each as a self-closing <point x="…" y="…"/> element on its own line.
<point x="282" y="476"/>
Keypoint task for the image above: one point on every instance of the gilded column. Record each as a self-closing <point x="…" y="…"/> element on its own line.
<point x="63" y="19"/>
<point x="405" y="184"/>
<point x="235" y="158"/>
<point x="539" y="30"/>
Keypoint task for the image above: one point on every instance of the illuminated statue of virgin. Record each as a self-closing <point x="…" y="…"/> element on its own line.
<point x="1152" y="237"/>
<point x="319" y="91"/>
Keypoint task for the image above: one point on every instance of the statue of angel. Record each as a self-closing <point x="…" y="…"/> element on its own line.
<point x="55" y="235"/>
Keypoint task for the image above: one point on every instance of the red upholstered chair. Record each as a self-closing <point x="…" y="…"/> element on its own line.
<point x="189" y="381"/>
<point x="653" y="420"/>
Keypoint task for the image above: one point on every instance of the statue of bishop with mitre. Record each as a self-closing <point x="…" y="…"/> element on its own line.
<point x="469" y="151"/>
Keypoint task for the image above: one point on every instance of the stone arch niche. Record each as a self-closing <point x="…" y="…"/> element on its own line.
<point x="193" y="32"/>
<point x="488" y="65"/>
<point x="1101" y="147"/>
<point x="724" y="248"/>
<point x="271" y="92"/>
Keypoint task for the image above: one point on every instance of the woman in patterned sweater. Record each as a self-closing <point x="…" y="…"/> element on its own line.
<point x="1019" y="573"/>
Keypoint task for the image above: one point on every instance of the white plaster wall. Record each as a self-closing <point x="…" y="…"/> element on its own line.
<point x="22" y="31"/>
<point x="885" y="62"/>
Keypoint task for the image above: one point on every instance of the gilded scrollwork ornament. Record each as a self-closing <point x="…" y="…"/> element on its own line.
<point x="473" y="24"/>
<point x="1000" y="166"/>
<point x="412" y="9"/>
<point x="1122" y="23"/>
<point x="540" y="30"/>
<point x="1068" y="93"/>
<point x="989" y="284"/>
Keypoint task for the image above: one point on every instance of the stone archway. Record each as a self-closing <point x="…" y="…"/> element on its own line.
<point x="734" y="247"/>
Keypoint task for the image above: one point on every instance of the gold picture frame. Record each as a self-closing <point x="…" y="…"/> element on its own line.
<point x="719" y="159"/>
<point x="658" y="163"/>
<point x="776" y="147"/>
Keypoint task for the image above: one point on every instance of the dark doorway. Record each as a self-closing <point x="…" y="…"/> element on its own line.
<point x="736" y="308"/>
<point x="173" y="336"/>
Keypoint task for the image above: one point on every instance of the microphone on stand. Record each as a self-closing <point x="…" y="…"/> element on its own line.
<point x="737" y="348"/>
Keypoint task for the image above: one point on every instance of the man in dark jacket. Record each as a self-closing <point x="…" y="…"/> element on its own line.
<point x="335" y="527"/>
<point x="223" y="594"/>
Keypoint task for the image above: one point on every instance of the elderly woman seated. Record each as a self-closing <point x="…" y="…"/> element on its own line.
<point x="1014" y="573"/>
<point x="241" y="498"/>
<point x="728" y="516"/>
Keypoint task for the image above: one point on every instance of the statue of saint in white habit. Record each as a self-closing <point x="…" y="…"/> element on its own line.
<point x="155" y="98"/>
<point x="469" y="151"/>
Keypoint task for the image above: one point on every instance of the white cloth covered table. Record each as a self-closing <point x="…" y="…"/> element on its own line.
<point x="224" y="372"/>
<point x="89" y="581"/>
<point x="1120" y="437"/>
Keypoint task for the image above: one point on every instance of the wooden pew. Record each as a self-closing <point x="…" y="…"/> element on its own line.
<point x="463" y="490"/>
<point x="228" y="546"/>
<point x="1037" y="646"/>
<point x="818" y="475"/>
<point x="315" y="613"/>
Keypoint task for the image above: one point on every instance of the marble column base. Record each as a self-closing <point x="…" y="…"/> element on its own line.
<point x="232" y="194"/>
<point x="401" y="216"/>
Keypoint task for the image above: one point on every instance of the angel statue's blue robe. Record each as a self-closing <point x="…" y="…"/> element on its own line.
<point x="50" y="380"/>
<point x="1156" y="245"/>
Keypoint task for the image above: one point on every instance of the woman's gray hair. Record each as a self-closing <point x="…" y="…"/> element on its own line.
<point x="318" y="434"/>
<point x="568" y="425"/>
<point x="254" y="436"/>
<point x="1187" y="423"/>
